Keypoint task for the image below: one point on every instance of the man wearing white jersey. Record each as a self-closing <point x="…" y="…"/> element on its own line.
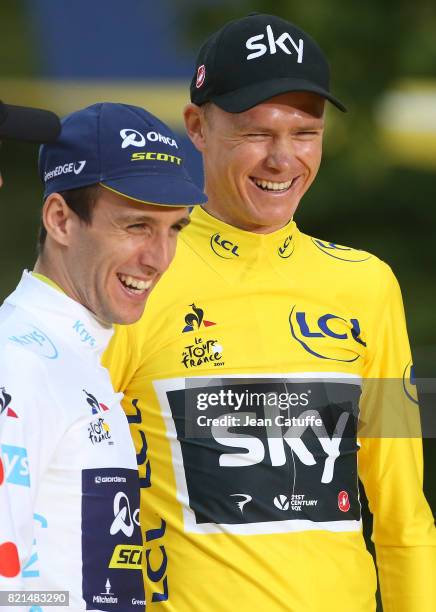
<point x="116" y="197"/>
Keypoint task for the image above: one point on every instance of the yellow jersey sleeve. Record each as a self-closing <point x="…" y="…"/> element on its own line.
<point x="390" y="464"/>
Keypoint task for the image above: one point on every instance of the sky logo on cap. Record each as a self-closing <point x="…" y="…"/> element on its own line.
<point x="260" y="49"/>
<point x="129" y="138"/>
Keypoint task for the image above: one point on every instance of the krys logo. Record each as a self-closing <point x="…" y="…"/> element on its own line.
<point x="195" y="320"/>
<point x="5" y="400"/>
<point x="83" y="333"/>
<point x="316" y="333"/>
<point x="409" y="382"/>
<point x="37" y="341"/>
<point x="223" y="248"/>
<point x="16" y="465"/>
<point x="286" y="249"/>
<point x="341" y="252"/>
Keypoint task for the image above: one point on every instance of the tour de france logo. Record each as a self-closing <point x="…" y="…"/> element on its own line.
<point x="200" y="350"/>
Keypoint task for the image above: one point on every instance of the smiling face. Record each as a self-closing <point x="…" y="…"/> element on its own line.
<point x="259" y="163"/>
<point x="111" y="264"/>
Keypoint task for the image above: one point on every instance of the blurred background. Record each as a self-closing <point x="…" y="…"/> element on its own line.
<point x="376" y="187"/>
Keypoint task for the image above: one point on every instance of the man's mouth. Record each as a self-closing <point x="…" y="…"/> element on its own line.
<point x="134" y="285"/>
<point x="272" y="186"/>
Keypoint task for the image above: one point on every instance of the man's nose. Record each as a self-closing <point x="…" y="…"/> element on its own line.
<point x="281" y="155"/>
<point x="157" y="252"/>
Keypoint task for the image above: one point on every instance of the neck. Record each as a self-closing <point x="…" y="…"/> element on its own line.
<point x="245" y="225"/>
<point x="55" y="272"/>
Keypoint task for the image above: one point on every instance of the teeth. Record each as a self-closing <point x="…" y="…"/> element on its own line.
<point x="272" y="186"/>
<point x="134" y="283"/>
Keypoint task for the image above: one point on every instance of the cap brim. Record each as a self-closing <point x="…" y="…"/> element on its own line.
<point x="245" y="98"/>
<point x="28" y="124"/>
<point x="158" y="189"/>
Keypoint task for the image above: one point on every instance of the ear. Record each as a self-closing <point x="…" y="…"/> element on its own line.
<point x="195" y="124"/>
<point x="58" y="218"/>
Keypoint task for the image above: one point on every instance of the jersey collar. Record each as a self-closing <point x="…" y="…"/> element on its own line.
<point x="60" y="314"/>
<point x="232" y="249"/>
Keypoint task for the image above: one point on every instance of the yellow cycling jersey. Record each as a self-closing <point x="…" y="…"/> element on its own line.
<point x="246" y="390"/>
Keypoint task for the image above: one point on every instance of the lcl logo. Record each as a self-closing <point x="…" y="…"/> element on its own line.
<point x="223" y="248"/>
<point x="155" y="572"/>
<point x="286" y="249"/>
<point x="337" y="251"/>
<point x="315" y="334"/>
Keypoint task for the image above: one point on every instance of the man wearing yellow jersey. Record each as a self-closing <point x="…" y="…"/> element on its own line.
<point x="242" y="381"/>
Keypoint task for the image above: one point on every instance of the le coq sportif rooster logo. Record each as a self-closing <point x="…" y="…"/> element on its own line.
<point x="195" y="319"/>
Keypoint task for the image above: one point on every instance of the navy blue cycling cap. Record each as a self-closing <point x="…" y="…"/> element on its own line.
<point x="124" y="148"/>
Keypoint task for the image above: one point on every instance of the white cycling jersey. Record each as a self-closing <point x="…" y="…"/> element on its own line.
<point x="69" y="487"/>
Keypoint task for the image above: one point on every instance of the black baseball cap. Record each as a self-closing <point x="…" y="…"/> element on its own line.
<point x="126" y="149"/>
<point x="28" y="124"/>
<point x="252" y="59"/>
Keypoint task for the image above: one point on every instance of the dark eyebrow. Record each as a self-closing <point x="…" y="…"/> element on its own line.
<point x="143" y="218"/>
<point x="311" y="126"/>
<point x="184" y="221"/>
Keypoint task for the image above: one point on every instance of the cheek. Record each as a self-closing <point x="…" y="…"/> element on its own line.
<point x="311" y="154"/>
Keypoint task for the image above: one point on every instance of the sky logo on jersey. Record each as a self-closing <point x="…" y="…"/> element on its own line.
<point x="16" y="465"/>
<point x="5" y="400"/>
<point x="223" y="248"/>
<point x="286" y="249"/>
<point x="306" y="453"/>
<point x="409" y="383"/>
<point x="35" y="340"/>
<point x="96" y="406"/>
<point x="195" y="320"/>
<point x="341" y="252"/>
<point x="327" y="336"/>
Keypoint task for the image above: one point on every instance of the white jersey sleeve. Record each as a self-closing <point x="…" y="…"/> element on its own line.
<point x="29" y="422"/>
